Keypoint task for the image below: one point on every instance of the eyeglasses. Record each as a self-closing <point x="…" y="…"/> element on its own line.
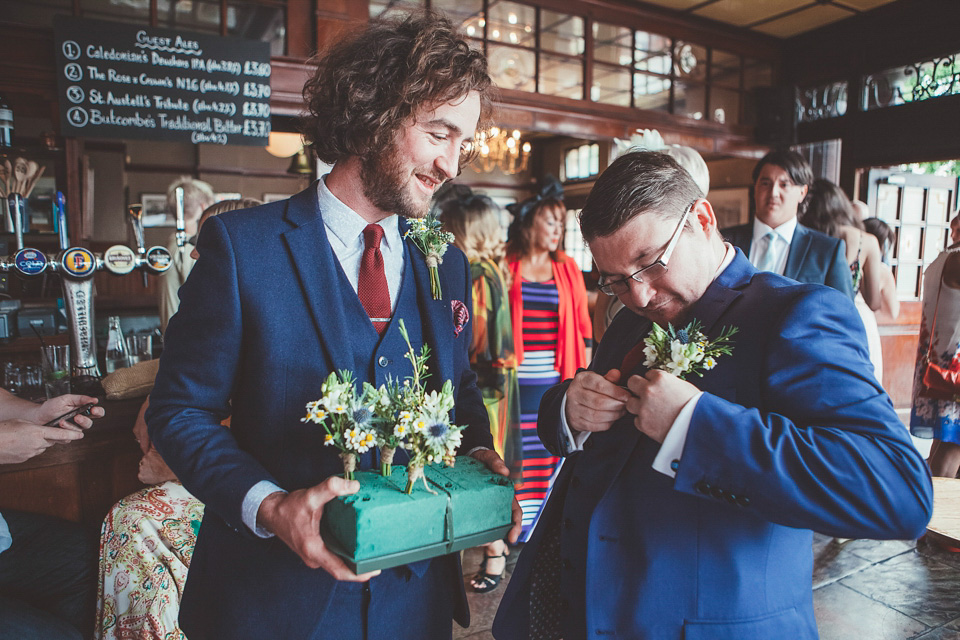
<point x="652" y="271"/>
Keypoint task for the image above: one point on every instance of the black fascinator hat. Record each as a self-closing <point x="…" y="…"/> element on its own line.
<point x="550" y="189"/>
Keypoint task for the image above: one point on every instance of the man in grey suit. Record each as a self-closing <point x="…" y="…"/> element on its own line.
<point x="775" y="240"/>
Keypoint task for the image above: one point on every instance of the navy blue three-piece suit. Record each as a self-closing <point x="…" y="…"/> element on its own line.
<point x="792" y="433"/>
<point x="265" y="316"/>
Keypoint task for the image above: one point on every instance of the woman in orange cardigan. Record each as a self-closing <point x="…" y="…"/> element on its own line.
<point x="551" y="328"/>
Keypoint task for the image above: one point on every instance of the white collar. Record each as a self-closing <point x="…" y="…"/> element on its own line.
<point x="728" y="255"/>
<point x="345" y="223"/>
<point x="785" y="230"/>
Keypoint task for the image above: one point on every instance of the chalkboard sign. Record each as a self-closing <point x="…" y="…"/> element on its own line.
<point x="119" y="80"/>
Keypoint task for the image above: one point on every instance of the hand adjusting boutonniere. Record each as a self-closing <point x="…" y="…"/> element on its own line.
<point x="428" y="234"/>
<point x="684" y="351"/>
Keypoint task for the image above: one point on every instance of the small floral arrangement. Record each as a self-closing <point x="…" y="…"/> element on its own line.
<point x="395" y="415"/>
<point x="422" y="420"/>
<point x="428" y="234"/>
<point x="351" y="420"/>
<point x="685" y="351"/>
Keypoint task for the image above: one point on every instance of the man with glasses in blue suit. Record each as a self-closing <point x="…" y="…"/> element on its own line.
<point x="684" y="509"/>
<point x="285" y="293"/>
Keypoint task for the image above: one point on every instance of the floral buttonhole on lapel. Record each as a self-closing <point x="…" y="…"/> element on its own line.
<point x="460" y="316"/>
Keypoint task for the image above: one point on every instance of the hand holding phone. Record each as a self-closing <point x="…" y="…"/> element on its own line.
<point x="81" y="410"/>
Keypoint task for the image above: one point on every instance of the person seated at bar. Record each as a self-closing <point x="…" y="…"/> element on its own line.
<point x="147" y="539"/>
<point x="47" y="565"/>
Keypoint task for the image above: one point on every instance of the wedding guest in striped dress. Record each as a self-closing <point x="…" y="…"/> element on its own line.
<point x="551" y="325"/>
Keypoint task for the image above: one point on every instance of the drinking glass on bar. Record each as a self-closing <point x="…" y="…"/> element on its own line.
<point x="139" y="349"/>
<point x="55" y="367"/>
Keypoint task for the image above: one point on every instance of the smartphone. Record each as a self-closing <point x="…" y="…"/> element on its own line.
<point x="81" y="410"/>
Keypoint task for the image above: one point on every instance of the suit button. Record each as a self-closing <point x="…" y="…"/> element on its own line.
<point x="566" y="563"/>
<point x="743" y="501"/>
<point x="383" y="361"/>
<point x="567" y="523"/>
<point x="731" y="498"/>
<point x="575" y="482"/>
<point x="703" y="487"/>
<point x="717" y="493"/>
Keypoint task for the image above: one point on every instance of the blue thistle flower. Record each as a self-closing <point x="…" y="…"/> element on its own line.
<point x="683" y="336"/>
<point x="361" y="416"/>
<point x="436" y="434"/>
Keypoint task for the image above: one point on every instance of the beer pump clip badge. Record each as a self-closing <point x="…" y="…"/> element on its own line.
<point x="30" y="262"/>
<point x="158" y="259"/>
<point x="120" y="259"/>
<point x="78" y="262"/>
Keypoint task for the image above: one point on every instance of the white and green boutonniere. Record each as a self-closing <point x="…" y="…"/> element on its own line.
<point x="684" y="351"/>
<point x="428" y="234"/>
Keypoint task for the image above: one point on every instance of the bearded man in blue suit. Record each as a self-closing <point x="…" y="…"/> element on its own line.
<point x="284" y="294"/>
<point x="684" y="510"/>
<point x="775" y="240"/>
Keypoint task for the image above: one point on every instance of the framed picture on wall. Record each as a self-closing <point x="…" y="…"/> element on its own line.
<point x="732" y="206"/>
<point x="155" y="210"/>
<point x="226" y="195"/>
<point x="273" y="197"/>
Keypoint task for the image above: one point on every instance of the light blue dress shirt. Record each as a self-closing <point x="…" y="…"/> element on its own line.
<point x="5" y="538"/>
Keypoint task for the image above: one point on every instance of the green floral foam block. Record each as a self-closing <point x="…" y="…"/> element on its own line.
<point x="380" y="526"/>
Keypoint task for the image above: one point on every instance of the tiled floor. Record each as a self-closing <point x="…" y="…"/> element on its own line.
<point x="863" y="590"/>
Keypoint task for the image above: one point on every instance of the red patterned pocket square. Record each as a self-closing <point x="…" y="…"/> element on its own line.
<point x="460" y="316"/>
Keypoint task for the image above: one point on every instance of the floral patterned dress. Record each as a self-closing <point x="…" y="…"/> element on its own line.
<point x="146" y="545"/>
<point x="930" y="418"/>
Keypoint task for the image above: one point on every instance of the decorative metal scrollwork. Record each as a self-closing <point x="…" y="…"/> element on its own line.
<point x="822" y="102"/>
<point x="914" y="82"/>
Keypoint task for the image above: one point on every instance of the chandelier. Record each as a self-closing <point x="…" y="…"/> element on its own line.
<point x="502" y="150"/>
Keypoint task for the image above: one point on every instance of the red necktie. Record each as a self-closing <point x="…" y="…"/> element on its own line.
<point x="372" y="282"/>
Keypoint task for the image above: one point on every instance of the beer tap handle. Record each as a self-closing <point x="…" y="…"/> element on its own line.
<point x="15" y="204"/>
<point x="135" y="216"/>
<point x="60" y="220"/>
<point x="181" y="223"/>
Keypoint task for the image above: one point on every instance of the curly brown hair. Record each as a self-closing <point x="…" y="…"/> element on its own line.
<point x="368" y="86"/>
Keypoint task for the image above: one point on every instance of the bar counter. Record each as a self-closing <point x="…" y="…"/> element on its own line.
<point x="79" y="480"/>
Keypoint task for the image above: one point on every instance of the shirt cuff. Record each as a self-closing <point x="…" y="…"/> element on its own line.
<point x="251" y="505"/>
<point x="572" y="442"/>
<point x="668" y="459"/>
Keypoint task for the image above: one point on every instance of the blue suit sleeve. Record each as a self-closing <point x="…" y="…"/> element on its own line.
<point x="191" y="396"/>
<point x="838" y="272"/>
<point x="826" y="451"/>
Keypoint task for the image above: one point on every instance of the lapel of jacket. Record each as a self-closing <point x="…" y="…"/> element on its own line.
<point x="721" y="293"/>
<point x="798" y="252"/>
<point x="319" y="273"/>
<point x="436" y="315"/>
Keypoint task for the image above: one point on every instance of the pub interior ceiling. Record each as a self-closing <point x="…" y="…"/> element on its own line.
<point x="778" y="18"/>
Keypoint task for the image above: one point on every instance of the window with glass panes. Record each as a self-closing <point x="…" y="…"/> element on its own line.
<point x="581" y="162"/>
<point x="531" y="48"/>
<point x="573" y="243"/>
